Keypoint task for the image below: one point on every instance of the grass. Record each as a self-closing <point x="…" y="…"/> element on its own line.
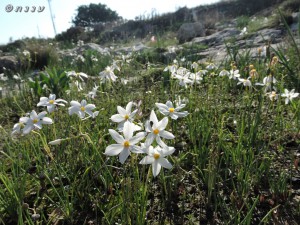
<point x="234" y="161"/>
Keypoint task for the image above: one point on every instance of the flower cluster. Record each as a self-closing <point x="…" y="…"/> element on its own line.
<point x="35" y="121"/>
<point x="154" y="147"/>
<point x="196" y="75"/>
<point x="31" y="122"/>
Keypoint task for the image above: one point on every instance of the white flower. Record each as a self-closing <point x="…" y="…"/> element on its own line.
<point x="171" y="68"/>
<point x="244" y="31"/>
<point x="268" y="83"/>
<point x="183" y="79"/>
<point x="93" y="58"/>
<point x="51" y="102"/>
<point x="80" y="58"/>
<point x="108" y="74"/>
<point x="93" y="93"/>
<point x="157" y="130"/>
<point x="17" y="77"/>
<point x="202" y="72"/>
<point x="125" y="144"/>
<point x="169" y="110"/>
<point x="124" y="81"/>
<point x="195" y="77"/>
<point x="224" y="73"/>
<point x="234" y="74"/>
<point x="78" y="85"/>
<point x="3" y="77"/>
<point x="26" y="53"/>
<point x="289" y="95"/>
<point x="35" y="121"/>
<point x="124" y="115"/>
<point x="210" y="66"/>
<point x="179" y="101"/>
<point x="79" y="75"/>
<point x="195" y="66"/>
<point x="18" y="126"/>
<point x="81" y="108"/>
<point x="272" y="95"/>
<point x="245" y="82"/>
<point x="156" y="157"/>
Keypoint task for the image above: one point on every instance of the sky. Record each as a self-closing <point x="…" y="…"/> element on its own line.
<point x="17" y="25"/>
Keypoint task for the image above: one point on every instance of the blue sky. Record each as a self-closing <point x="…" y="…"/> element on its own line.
<point x="17" y="25"/>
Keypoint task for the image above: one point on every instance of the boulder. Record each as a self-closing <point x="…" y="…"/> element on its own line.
<point x="8" y="63"/>
<point x="188" y="31"/>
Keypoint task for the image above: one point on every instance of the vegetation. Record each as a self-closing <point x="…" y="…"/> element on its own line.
<point x="89" y="15"/>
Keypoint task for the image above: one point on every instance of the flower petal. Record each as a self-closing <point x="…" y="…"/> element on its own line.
<point x="116" y="136"/>
<point x="28" y="128"/>
<point x="128" y="130"/>
<point x="137" y="138"/>
<point x="117" y="118"/>
<point x="150" y="139"/>
<point x="121" y="111"/>
<point x="124" y="155"/>
<point x="46" y="120"/>
<point x="33" y="115"/>
<point x="147" y="160"/>
<point x="41" y="115"/>
<point x="153" y="117"/>
<point x="164" y="163"/>
<point x="128" y="107"/>
<point x="156" y="167"/>
<point x="162" y="124"/>
<point x="75" y="103"/>
<point x="113" y="149"/>
<point x="166" y="134"/>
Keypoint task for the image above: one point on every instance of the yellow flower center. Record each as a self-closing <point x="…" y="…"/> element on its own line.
<point x="251" y="67"/>
<point x="156" y="131"/>
<point x="35" y="121"/>
<point x="126" y="144"/>
<point x="126" y="117"/>
<point x="82" y="108"/>
<point x="156" y="155"/>
<point x="51" y="101"/>
<point x="171" y="110"/>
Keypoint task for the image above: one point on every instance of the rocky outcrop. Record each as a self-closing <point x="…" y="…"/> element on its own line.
<point x="188" y="31"/>
<point x="217" y="38"/>
<point x="85" y="47"/>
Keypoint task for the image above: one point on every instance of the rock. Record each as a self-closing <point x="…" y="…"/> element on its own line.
<point x="217" y="38"/>
<point x="188" y="31"/>
<point x="8" y="63"/>
<point x="135" y="48"/>
<point x="93" y="47"/>
<point x="268" y="35"/>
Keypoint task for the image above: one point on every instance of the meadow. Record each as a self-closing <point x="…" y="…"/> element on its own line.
<point x="130" y="139"/>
